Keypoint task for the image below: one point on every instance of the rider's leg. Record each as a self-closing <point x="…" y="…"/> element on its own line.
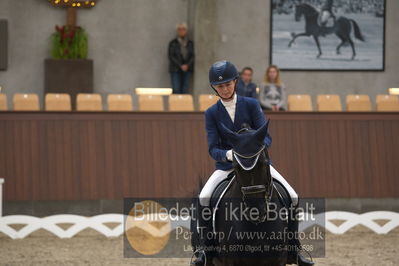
<point x="293" y="257"/>
<point x="276" y="175"/>
<point x="203" y="252"/>
<point x="325" y="16"/>
<point x="204" y="221"/>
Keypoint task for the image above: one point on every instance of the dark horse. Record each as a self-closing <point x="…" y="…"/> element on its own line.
<point x="342" y="28"/>
<point x="245" y="221"/>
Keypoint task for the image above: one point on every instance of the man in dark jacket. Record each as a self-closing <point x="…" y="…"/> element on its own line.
<point x="181" y="60"/>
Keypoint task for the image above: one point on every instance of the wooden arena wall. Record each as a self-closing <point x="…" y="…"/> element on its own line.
<point x="104" y="155"/>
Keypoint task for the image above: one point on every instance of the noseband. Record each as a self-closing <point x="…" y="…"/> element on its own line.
<point x="247" y="191"/>
<point x="251" y="190"/>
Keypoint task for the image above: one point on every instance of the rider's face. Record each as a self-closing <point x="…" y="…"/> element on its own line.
<point x="226" y="90"/>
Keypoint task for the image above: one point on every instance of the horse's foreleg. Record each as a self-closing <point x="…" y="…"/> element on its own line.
<point x="294" y="36"/>
<point x="316" y="39"/>
<point x="339" y="47"/>
<point x="353" y="49"/>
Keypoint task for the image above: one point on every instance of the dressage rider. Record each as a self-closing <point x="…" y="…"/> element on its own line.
<point x="325" y="14"/>
<point x="233" y="111"/>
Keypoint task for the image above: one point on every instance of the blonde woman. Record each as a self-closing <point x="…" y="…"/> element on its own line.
<point x="272" y="94"/>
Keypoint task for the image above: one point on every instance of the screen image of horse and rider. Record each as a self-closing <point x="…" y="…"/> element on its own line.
<point x="351" y="38"/>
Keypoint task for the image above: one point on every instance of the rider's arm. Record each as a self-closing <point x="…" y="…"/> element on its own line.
<point x="213" y="139"/>
<point x="259" y="120"/>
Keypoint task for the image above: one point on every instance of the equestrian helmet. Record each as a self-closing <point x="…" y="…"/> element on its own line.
<point x="222" y="72"/>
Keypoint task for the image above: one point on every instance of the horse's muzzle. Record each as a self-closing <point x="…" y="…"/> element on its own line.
<point x="256" y="194"/>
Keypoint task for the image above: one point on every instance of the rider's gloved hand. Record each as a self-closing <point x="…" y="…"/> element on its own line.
<point x="229" y="155"/>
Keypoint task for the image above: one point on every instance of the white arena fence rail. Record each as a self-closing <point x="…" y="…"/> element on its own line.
<point x="80" y="223"/>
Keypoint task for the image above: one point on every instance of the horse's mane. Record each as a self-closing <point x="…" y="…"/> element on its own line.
<point x="312" y="8"/>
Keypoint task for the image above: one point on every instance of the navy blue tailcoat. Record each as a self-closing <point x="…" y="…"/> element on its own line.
<point x="247" y="111"/>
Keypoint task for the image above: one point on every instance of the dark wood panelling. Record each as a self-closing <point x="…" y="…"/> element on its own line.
<point x="85" y="156"/>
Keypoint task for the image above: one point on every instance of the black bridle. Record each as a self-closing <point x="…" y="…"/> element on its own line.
<point x="260" y="189"/>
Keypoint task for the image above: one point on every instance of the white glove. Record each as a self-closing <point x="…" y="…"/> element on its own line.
<point x="229" y="155"/>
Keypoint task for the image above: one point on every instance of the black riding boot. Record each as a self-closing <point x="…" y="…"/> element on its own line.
<point x="204" y="251"/>
<point x="294" y="257"/>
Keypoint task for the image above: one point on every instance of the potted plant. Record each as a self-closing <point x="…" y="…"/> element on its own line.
<point x="69" y="42"/>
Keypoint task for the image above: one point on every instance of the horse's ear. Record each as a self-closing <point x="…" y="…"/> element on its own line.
<point x="232" y="136"/>
<point x="261" y="133"/>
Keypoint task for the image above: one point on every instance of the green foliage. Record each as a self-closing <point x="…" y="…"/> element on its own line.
<point x="69" y="43"/>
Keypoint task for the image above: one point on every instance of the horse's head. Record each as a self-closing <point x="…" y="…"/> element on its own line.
<point x="251" y="164"/>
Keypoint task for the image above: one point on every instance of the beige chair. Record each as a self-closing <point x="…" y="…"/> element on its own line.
<point x="206" y="101"/>
<point x="151" y="103"/>
<point x="329" y="103"/>
<point x="120" y="102"/>
<point x="387" y="103"/>
<point x="299" y="103"/>
<point x="3" y="102"/>
<point x="181" y="102"/>
<point x="88" y="102"/>
<point x="25" y="102"/>
<point x="57" y="102"/>
<point x="358" y="103"/>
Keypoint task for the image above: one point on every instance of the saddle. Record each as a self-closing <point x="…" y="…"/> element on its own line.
<point x="217" y="193"/>
<point x="220" y="190"/>
<point x="283" y="195"/>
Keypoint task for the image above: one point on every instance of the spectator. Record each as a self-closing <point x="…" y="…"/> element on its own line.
<point x="245" y="86"/>
<point x="272" y="95"/>
<point x="181" y="60"/>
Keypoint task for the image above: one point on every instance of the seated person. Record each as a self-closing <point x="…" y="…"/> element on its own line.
<point x="272" y="96"/>
<point x="245" y="86"/>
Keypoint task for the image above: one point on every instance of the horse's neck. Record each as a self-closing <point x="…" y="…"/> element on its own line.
<point x="311" y="14"/>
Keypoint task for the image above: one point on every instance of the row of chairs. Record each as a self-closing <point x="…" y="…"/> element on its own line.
<point x="184" y="102"/>
<point x="115" y="102"/>
<point x="354" y="103"/>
